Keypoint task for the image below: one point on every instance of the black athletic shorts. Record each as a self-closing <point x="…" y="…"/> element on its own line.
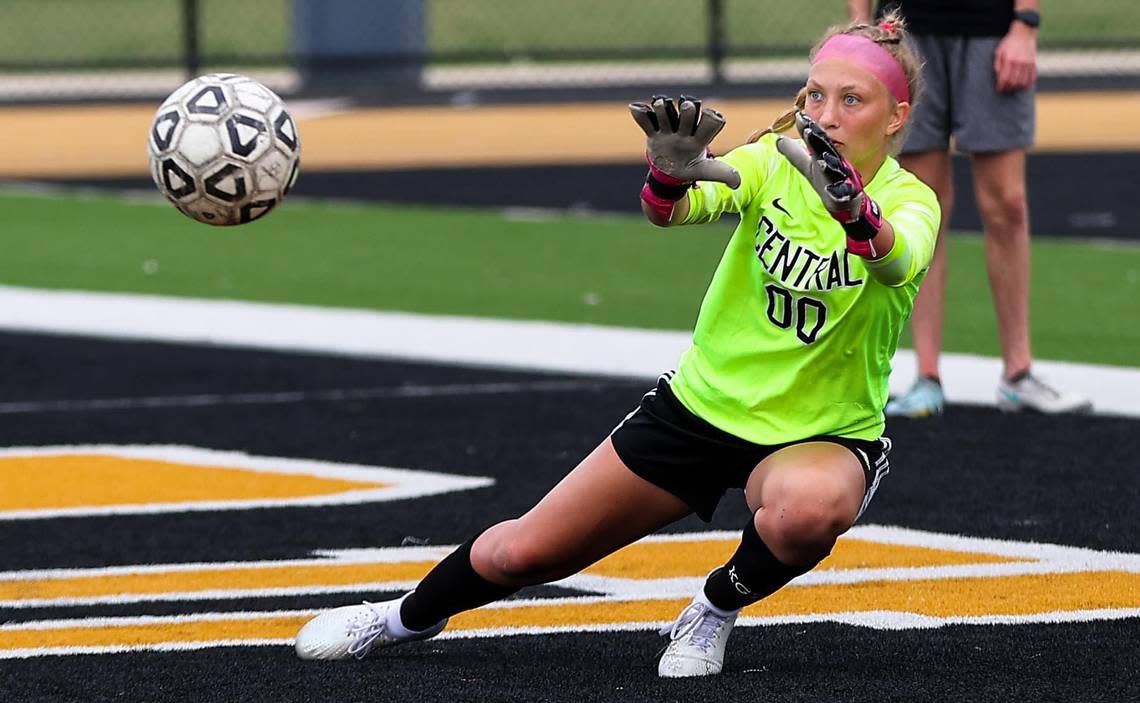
<point x="667" y="445"/>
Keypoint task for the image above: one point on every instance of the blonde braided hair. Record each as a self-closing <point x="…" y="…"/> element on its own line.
<point x="889" y="34"/>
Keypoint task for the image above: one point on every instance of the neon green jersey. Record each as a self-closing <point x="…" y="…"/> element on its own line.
<point x="795" y="337"/>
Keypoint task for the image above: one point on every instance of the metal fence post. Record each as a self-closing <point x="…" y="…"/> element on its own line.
<point x="716" y="40"/>
<point x="191" y="51"/>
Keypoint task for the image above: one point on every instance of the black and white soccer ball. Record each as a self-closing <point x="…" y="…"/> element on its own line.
<point x="224" y="149"/>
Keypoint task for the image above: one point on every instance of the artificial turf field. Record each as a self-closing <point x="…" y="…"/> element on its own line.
<point x="1007" y="569"/>
<point x="981" y="612"/>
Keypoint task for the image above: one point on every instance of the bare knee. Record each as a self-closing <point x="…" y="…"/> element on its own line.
<point x="805" y="519"/>
<point x="505" y="556"/>
<point x="1004" y="210"/>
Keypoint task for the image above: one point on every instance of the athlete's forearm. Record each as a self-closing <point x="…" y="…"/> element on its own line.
<point x="894" y="264"/>
<point x="859" y="10"/>
<point x="884" y="241"/>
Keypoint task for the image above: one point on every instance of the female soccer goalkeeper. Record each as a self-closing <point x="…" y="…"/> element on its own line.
<point x="783" y="388"/>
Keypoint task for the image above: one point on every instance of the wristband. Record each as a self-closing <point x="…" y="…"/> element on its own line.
<point x="863" y="229"/>
<point x="671" y="189"/>
<point x="660" y="205"/>
<point x="662" y="191"/>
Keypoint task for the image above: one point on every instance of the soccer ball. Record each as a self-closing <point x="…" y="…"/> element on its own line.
<point x="224" y="149"/>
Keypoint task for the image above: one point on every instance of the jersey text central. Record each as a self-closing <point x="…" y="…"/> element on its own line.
<point x="798" y="267"/>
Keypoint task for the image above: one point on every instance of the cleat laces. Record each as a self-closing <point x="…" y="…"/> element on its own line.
<point x="698" y="623"/>
<point x="365" y="628"/>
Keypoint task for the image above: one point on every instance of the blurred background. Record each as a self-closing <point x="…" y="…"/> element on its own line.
<point x="105" y="49"/>
<point x="516" y="108"/>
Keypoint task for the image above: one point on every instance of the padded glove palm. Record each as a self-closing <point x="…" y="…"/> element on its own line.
<point x="678" y="137"/>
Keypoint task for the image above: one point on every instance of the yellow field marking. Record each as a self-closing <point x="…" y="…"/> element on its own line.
<point x="1015" y="595"/>
<point x="153" y="633"/>
<point x="79" y="480"/>
<point x="73" y="481"/>
<point x="903" y="578"/>
<point x="1012" y="595"/>
<point x="212" y="579"/>
<point x="646" y="560"/>
<point x="643" y="560"/>
<point x="1007" y="595"/>
<point x="53" y="142"/>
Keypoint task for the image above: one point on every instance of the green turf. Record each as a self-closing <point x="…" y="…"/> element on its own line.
<point x="612" y="271"/>
<point x="150" y="30"/>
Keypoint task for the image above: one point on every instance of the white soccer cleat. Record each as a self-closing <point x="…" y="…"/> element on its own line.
<point x="353" y="631"/>
<point x="696" y="643"/>
<point x="1032" y="393"/>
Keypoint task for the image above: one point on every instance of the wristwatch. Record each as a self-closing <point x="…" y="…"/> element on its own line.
<point x="1031" y="18"/>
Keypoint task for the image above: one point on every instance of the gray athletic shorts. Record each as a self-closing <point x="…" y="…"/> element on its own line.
<point x="960" y="98"/>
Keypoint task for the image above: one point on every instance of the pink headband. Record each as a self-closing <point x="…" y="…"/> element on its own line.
<point x="869" y="55"/>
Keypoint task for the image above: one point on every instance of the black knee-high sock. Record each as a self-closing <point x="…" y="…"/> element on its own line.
<point x="451" y="587"/>
<point x="751" y="574"/>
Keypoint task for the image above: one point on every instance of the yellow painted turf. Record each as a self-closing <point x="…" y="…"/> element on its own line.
<point x="646" y="560"/>
<point x="1015" y="595"/>
<point x="95" y="480"/>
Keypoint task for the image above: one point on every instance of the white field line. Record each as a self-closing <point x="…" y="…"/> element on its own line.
<point x="1081" y="557"/>
<point x="201" y="400"/>
<point x="1038" y="558"/>
<point x="878" y="620"/>
<point x="851" y="617"/>
<point x="614" y="589"/>
<point x="366" y="588"/>
<point x="546" y="346"/>
<point x="1049" y="559"/>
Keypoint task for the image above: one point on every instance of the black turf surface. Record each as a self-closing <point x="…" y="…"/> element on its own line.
<point x="810" y="663"/>
<point x="1070" y="480"/>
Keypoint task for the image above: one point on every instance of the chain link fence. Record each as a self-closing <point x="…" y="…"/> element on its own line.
<point x="95" y="49"/>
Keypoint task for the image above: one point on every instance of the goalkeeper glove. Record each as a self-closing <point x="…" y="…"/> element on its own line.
<point x="837" y="183"/>
<point x="677" y="149"/>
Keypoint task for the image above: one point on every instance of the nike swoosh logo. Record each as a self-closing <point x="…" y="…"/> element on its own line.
<point x="776" y="204"/>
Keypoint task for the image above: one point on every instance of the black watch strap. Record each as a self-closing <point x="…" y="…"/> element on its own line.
<point x="664" y="190"/>
<point x="1028" y="17"/>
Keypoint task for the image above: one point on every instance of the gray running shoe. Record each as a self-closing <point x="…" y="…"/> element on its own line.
<point x="923" y="399"/>
<point x="1034" y="394"/>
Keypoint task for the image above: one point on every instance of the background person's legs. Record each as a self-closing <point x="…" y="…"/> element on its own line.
<point x="999" y="184"/>
<point x="925" y="396"/>
<point x="933" y="169"/>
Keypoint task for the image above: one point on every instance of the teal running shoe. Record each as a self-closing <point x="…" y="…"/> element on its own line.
<point x="923" y="399"/>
